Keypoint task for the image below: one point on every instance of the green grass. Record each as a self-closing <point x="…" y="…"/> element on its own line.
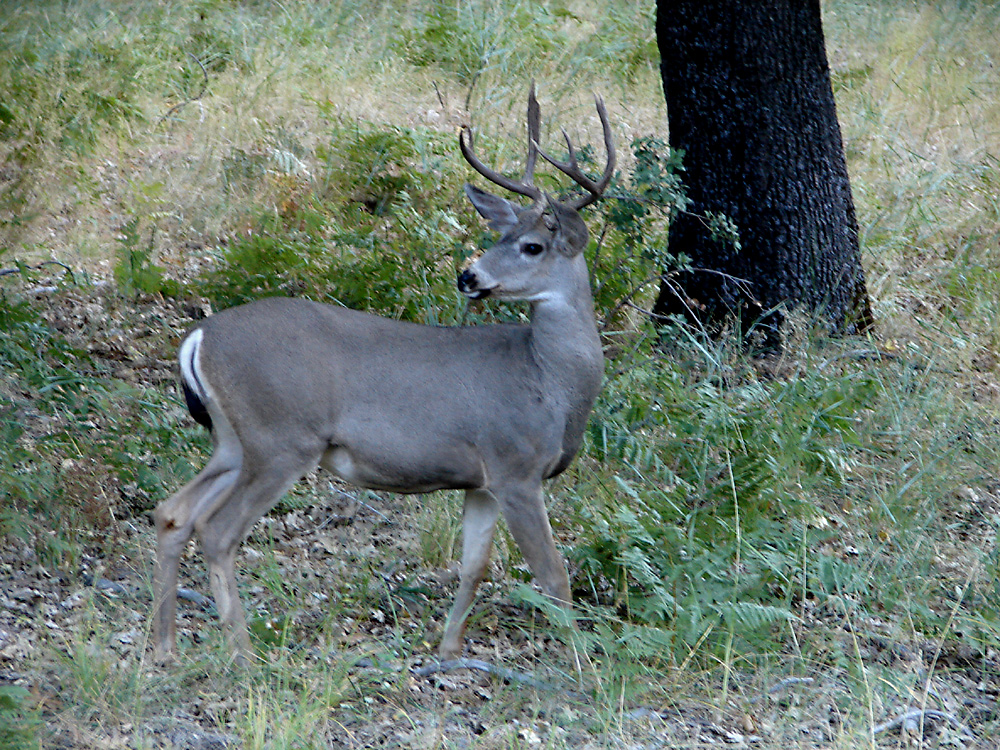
<point x="829" y="516"/>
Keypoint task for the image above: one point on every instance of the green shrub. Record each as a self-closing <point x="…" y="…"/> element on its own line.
<point x="373" y="168"/>
<point x="718" y="486"/>
<point x="623" y="44"/>
<point x="366" y="233"/>
<point x="59" y="92"/>
<point x="629" y="257"/>
<point x="81" y="83"/>
<point x="135" y="270"/>
<point x="18" y="720"/>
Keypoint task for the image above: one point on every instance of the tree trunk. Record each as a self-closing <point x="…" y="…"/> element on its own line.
<point x="749" y="101"/>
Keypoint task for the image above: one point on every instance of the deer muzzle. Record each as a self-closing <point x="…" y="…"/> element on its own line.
<point x="470" y="286"/>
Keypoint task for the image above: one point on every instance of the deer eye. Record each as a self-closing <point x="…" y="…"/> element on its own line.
<point x="532" y="248"/>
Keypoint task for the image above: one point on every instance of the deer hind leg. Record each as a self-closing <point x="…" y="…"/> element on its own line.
<point x="175" y="520"/>
<point x="479" y="522"/>
<point x="222" y="527"/>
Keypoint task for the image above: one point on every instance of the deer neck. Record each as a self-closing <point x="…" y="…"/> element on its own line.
<point x="566" y="350"/>
<point x="564" y="339"/>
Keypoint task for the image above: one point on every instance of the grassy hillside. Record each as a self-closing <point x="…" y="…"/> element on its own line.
<point x="797" y="552"/>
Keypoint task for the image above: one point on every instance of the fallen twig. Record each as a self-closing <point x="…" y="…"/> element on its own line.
<point x="204" y="88"/>
<point x="114" y="588"/>
<point x="507" y="675"/>
<point x="195" y="598"/>
<point x="914" y="718"/>
<point x="788" y="682"/>
<point x="21" y="268"/>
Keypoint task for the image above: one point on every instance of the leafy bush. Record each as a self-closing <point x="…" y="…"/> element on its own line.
<point x="623" y="46"/>
<point x="356" y="265"/>
<point x="81" y="87"/>
<point x="331" y="241"/>
<point x="720" y="492"/>
<point x="18" y="721"/>
<point x="135" y="270"/>
<point x="372" y="169"/>
<point x="630" y="256"/>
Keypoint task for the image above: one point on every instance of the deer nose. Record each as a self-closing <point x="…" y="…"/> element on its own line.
<point x="468" y="285"/>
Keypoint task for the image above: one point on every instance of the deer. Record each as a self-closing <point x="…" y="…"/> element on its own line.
<point x="286" y="385"/>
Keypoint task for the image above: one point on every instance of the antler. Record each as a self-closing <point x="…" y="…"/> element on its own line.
<point x="572" y="168"/>
<point x="526" y="186"/>
<point x="534" y="133"/>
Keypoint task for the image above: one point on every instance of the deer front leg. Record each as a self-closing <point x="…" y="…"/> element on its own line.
<point x="175" y="521"/>
<point x="479" y="522"/>
<point x="524" y="510"/>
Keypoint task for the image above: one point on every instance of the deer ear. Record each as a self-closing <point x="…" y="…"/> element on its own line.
<point x="500" y="212"/>
<point x="571" y="233"/>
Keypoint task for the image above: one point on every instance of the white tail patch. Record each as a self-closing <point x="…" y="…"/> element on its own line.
<point x="189" y="360"/>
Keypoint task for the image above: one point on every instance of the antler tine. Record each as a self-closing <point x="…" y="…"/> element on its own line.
<point x="534" y="133"/>
<point x="493" y="176"/>
<point x="526" y="186"/>
<point x="572" y="169"/>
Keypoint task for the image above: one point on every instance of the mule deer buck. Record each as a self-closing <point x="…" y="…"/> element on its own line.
<point x="285" y="385"/>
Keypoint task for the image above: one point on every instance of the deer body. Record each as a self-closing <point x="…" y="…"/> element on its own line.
<point x="357" y="389"/>
<point x="286" y="385"/>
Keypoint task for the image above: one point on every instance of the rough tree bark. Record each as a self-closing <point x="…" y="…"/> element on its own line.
<point x="749" y="101"/>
